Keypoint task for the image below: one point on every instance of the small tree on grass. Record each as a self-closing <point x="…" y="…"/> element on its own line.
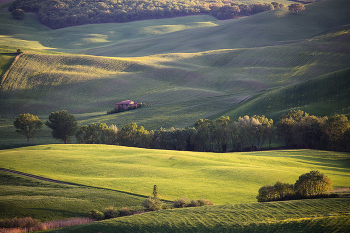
<point x="296" y="7"/>
<point x="18" y="14"/>
<point x="153" y="203"/>
<point x="312" y="183"/>
<point x="28" y="125"/>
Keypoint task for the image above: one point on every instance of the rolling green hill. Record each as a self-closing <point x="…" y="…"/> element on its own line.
<point x="221" y="178"/>
<point x="328" y="215"/>
<point x="264" y="29"/>
<point x="24" y="196"/>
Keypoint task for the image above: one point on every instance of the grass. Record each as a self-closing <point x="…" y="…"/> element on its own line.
<point x="272" y="27"/>
<point x="22" y="197"/>
<point x="328" y="215"/>
<point x="180" y="88"/>
<point x="221" y="178"/>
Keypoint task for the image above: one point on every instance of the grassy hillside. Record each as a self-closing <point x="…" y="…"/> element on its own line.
<point x="22" y="197"/>
<point x="221" y="178"/>
<point x="180" y="88"/>
<point x="328" y="215"/>
<point x="264" y="29"/>
<point x="321" y="96"/>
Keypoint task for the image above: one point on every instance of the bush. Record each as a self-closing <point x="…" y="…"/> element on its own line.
<point x="19" y="223"/>
<point x="204" y="202"/>
<point x="95" y="214"/>
<point x="312" y="183"/>
<point x="186" y="202"/>
<point x="18" y="14"/>
<point x="152" y="204"/>
<point x="125" y="211"/>
<point x="181" y="202"/>
<point x="110" y="212"/>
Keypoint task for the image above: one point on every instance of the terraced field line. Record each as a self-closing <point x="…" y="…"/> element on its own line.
<point x="37" y="177"/>
<point x="6" y="73"/>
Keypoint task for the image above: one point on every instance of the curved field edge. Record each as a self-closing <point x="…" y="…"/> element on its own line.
<point x="24" y="196"/>
<point x="221" y="178"/>
<point x="324" y="95"/>
<point x="322" y="215"/>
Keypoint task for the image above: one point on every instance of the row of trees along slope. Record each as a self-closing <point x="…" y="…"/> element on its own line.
<point x="59" y="13"/>
<point x="297" y="129"/>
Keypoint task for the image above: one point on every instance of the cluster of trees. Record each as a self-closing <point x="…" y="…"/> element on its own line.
<point x="297" y="129"/>
<point x="206" y="135"/>
<point x="59" y="13"/>
<point x="312" y="184"/>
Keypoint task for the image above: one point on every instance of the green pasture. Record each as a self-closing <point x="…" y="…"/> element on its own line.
<point x="221" y="178"/>
<point x="322" y="96"/>
<point x="327" y="215"/>
<point x="179" y="88"/>
<point x="30" y="33"/>
<point x="260" y="30"/>
<point x="23" y="197"/>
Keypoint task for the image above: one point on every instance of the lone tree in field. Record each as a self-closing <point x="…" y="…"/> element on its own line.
<point x="296" y="7"/>
<point x="18" y="14"/>
<point x="312" y="183"/>
<point x="28" y="125"/>
<point x="63" y="125"/>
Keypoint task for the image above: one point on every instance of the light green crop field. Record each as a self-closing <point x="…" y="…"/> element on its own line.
<point x="327" y="215"/>
<point x="221" y="178"/>
<point x="23" y="197"/>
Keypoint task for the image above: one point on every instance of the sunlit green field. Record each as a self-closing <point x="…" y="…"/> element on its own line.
<point x="23" y="197"/>
<point x="327" y="215"/>
<point x="221" y="178"/>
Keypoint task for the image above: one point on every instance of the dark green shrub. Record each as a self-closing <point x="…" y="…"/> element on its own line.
<point x="18" y="14"/>
<point x="181" y="202"/>
<point x="95" y="214"/>
<point x="312" y="183"/>
<point x="125" y="211"/>
<point x="110" y="212"/>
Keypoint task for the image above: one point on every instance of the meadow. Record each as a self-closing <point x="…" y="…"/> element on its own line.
<point x="329" y="215"/>
<point x="184" y="68"/>
<point x="23" y="196"/>
<point x="199" y="79"/>
<point x="220" y="177"/>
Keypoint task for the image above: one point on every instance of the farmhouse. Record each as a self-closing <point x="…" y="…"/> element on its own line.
<point x="126" y="104"/>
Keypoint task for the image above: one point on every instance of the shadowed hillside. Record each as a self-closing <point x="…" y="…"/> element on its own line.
<point x="263" y="29"/>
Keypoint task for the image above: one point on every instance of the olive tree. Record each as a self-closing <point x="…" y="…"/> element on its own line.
<point x="28" y="125"/>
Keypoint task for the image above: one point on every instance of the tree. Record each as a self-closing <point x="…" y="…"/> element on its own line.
<point x="204" y="136"/>
<point x="222" y="132"/>
<point x="312" y="183"/>
<point x="28" y="125"/>
<point x="63" y="125"/>
<point x="296" y="7"/>
<point x="264" y="130"/>
<point x="132" y="135"/>
<point x="18" y="14"/>
<point x="96" y="134"/>
<point x="334" y="129"/>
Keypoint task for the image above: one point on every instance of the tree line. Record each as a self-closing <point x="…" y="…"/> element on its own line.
<point x="298" y="130"/>
<point x="63" y="13"/>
